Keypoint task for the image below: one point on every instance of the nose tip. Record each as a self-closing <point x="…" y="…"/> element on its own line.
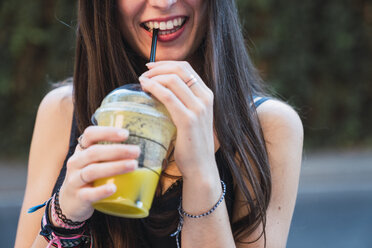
<point x="162" y="4"/>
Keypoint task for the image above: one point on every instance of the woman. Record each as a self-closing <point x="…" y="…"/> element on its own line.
<point x="220" y="133"/>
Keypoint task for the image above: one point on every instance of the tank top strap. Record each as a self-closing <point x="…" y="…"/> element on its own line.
<point x="72" y="144"/>
<point x="258" y="100"/>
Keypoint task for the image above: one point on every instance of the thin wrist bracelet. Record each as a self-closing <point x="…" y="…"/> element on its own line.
<point x="61" y="216"/>
<point x="61" y="237"/>
<point x="61" y="222"/>
<point x="76" y="235"/>
<point x="183" y="213"/>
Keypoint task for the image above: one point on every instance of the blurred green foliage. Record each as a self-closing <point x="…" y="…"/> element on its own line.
<point x="36" y="50"/>
<point x="315" y="54"/>
<point x="318" y="56"/>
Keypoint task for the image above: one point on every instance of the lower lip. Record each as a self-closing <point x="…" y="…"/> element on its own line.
<point x="169" y="37"/>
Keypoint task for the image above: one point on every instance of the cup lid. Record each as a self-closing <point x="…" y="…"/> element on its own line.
<point x="131" y="97"/>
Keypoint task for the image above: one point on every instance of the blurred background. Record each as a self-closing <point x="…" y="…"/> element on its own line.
<point x="315" y="54"/>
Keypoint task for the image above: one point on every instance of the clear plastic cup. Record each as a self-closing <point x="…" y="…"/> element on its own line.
<point x="151" y="128"/>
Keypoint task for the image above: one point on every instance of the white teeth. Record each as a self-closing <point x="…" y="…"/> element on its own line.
<point x="169" y="25"/>
<point x="151" y="25"/>
<point x="168" y="31"/>
<point x="162" y="26"/>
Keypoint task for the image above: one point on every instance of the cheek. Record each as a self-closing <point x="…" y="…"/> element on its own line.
<point x="197" y="4"/>
<point x="128" y="10"/>
<point x="201" y="16"/>
<point x="200" y="10"/>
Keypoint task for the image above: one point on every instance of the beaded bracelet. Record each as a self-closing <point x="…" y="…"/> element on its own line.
<point x="183" y="213"/>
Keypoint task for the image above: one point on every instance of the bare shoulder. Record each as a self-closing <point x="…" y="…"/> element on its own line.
<point x="57" y="101"/>
<point x="53" y="123"/>
<point x="283" y="134"/>
<point x="52" y="131"/>
<point x="49" y="146"/>
<point x="279" y="121"/>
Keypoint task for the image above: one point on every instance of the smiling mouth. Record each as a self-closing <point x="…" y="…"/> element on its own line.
<point x="165" y="27"/>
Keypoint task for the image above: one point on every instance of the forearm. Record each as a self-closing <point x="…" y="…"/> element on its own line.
<point x="199" y="195"/>
<point x="39" y="242"/>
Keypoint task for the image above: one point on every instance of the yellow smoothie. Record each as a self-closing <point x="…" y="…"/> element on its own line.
<point x="152" y="134"/>
<point x="134" y="196"/>
<point x="151" y="128"/>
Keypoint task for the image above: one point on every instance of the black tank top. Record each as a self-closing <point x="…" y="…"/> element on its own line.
<point x="167" y="202"/>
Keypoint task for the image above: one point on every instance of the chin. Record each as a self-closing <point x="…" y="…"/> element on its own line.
<point x="169" y="55"/>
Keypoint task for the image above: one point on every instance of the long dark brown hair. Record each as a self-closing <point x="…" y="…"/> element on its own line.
<point x="105" y="61"/>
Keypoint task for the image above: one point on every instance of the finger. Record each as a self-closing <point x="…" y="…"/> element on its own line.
<point x="176" y="66"/>
<point x="179" y="88"/>
<point x="93" y="194"/>
<point x="95" y="134"/>
<point x="187" y="78"/>
<point x="174" y="106"/>
<point x="168" y="68"/>
<point x="193" y="85"/>
<point x="181" y="68"/>
<point x="96" y="171"/>
<point x="103" y="153"/>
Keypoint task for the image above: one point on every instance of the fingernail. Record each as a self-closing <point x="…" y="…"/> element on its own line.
<point x="135" y="164"/>
<point x="138" y="149"/>
<point x="143" y="80"/>
<point x="150" y="65"/>
<point x="111" y="188"/>
<point x="123" y="133"/>
<point x="146" y="74"/>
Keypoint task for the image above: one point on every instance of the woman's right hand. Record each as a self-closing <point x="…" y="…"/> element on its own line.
<point x="92" y="161"/>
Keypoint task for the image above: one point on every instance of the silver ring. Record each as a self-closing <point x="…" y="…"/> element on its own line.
<point x="79" y="142"/>
<point x="191" y="81"/>
<point x="82" y="178"/>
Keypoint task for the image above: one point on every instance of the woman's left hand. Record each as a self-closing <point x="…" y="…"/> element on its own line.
<point x="190" y="103"/>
